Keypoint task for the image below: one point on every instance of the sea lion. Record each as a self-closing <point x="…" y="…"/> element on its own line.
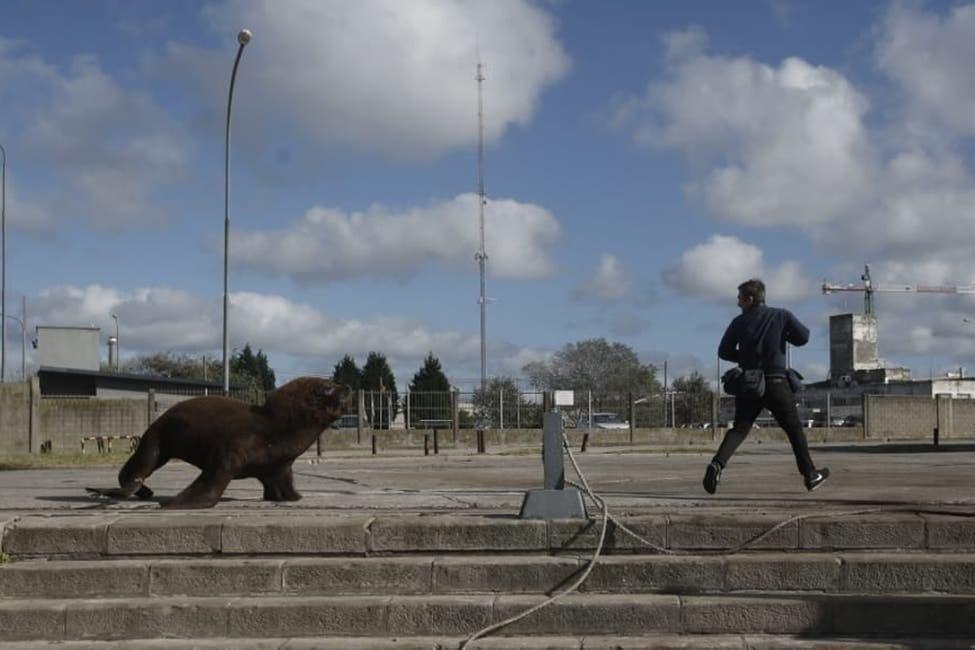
<point x="228" y="439"/>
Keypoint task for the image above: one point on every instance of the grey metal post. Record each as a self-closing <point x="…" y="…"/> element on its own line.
<point x="360" y="415"/>
<point x="481" y="255"/>
<point x="589" y="394"/>
<point x="454" y="413"/>
<point x="554" y="501"/>
<point x="118" y="347"/>
<point x="23" y="338"/>
<point x="3" y="265"/>
<point x="243" y="38"/>
<point x="501" y="408"/>
<point x="665" y="392"/>
<point x="673" y="409"/>
<point x="829" y="416"/>
<point x="518" y="410"/>
<point x="629" y="397"/>
<point x="554" y="468"/>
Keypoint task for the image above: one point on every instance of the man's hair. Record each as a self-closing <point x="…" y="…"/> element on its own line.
<point x="753" y="288"/>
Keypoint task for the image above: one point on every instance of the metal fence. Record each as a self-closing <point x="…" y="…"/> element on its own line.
<point x="590" y="410"/>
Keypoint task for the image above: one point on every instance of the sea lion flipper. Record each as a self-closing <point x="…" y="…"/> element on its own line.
<point x="120" y="493"/>
<point x="114" y="493"/>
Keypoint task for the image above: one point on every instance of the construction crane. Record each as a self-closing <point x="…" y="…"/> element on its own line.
<point x="869" y="288"/>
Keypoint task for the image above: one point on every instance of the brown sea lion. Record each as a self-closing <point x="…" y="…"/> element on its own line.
<point x="228" y="439"/>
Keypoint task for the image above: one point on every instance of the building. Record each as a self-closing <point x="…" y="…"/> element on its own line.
<point x="853" y="357"/>
<point x="70" y="366"/>
<point x="74" y="382"/>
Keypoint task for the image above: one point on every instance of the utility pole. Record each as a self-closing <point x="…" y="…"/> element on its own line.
<point x="481" y="255"/>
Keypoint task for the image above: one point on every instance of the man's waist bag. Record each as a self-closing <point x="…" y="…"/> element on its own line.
<point x="744" y="383"/>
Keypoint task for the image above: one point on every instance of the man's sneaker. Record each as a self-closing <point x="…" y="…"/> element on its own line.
<point x="711" y="477"/>
<point x="817" y="478"/>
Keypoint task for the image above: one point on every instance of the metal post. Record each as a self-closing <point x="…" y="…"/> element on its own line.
<point x="243" y="38"/>
<point x="3" y="266"/>
<point x="632" y="414"/>
<point x="501" y="408"/>
<point x="118" y="348"/>
<point x="454" y="413"/>
<point x="665" y="392"/>
<point x="829" y="416"/>
<point x="518" y="410"/>
<point x="23" y="338"/>
<point x="589" y="393"/>
<point x="554" y="501"/>
<point x="481" y="255"/>
<point x="360" y="415"/>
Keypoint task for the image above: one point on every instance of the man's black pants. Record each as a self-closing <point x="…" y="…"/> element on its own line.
<point x="781" y="402"/>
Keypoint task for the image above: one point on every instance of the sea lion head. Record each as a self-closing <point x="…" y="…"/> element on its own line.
<point x="314" y="400"/>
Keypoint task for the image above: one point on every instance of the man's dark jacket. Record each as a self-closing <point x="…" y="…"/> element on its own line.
<point x="757" y="338"/>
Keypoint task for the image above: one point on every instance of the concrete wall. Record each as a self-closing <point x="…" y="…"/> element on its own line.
<point x="66" y="421"/>
<point x="27" y="421"/>
<point x="14" y="417"/>
<point x="898" y="416"/>
<point x="909" y="417"/>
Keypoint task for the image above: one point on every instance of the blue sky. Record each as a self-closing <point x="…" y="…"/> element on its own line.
<point x="642" y="159"/>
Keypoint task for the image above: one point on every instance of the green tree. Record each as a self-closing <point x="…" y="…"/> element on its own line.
<point x="429" y="392"/>
<point x="168" y="364"/>
<point x="247" y="371"/>
<point x="430" y="377"/>
<point x="487" y="405"/>
<point x="607" y="369"/>
<point x="252" y="369"/>
<point x="346" y="372"/>
<point x="377" y="376"/>
<point x="693" y="399"/>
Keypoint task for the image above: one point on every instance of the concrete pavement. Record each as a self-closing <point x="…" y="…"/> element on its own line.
<point x="760" y="477"/>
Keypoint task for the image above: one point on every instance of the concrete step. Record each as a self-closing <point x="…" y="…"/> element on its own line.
<point x="580" y="615"/>
<point x="852" y="573"/>
<point x="656" y="641"/>
<point x="160" y="533"/>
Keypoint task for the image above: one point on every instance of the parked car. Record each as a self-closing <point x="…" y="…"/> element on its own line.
<point x="604" y="421"/>
<point x="852" y="421"/>
<point x="349" y="421"/>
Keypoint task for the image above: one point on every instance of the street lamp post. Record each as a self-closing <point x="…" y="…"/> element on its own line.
<point x="118" y="348"/>
<point x="3" y="265"/>
<point x="243" y="38"/>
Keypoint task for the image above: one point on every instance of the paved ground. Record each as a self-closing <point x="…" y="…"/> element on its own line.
<point x="761" y="477"/>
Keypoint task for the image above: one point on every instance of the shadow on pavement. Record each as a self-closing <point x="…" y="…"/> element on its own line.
<point x="897" y="448"/>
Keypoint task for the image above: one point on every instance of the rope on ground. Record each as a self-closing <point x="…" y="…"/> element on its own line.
<point x="606" y="518"/>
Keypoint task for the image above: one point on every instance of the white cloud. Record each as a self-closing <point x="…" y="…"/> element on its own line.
<point x="294" y="334"/>
<point x="714" y="269"/>
<point x="328" y="244"/>
<point x="929" y="56"/>
<point x="771" y="138"/>
<point x="610" y="282"/>
<point x="382" y="75"/>
<point x="25" y="215"/>
<point x="109" y="147"/>
<point x="790" y="145"/>
<point x="628" y="324"/>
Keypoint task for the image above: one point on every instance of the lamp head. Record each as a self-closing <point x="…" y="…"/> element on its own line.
<point x="244" y="36"/>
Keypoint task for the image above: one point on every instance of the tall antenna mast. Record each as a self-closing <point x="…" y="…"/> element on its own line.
<point x="481" y="255"/>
